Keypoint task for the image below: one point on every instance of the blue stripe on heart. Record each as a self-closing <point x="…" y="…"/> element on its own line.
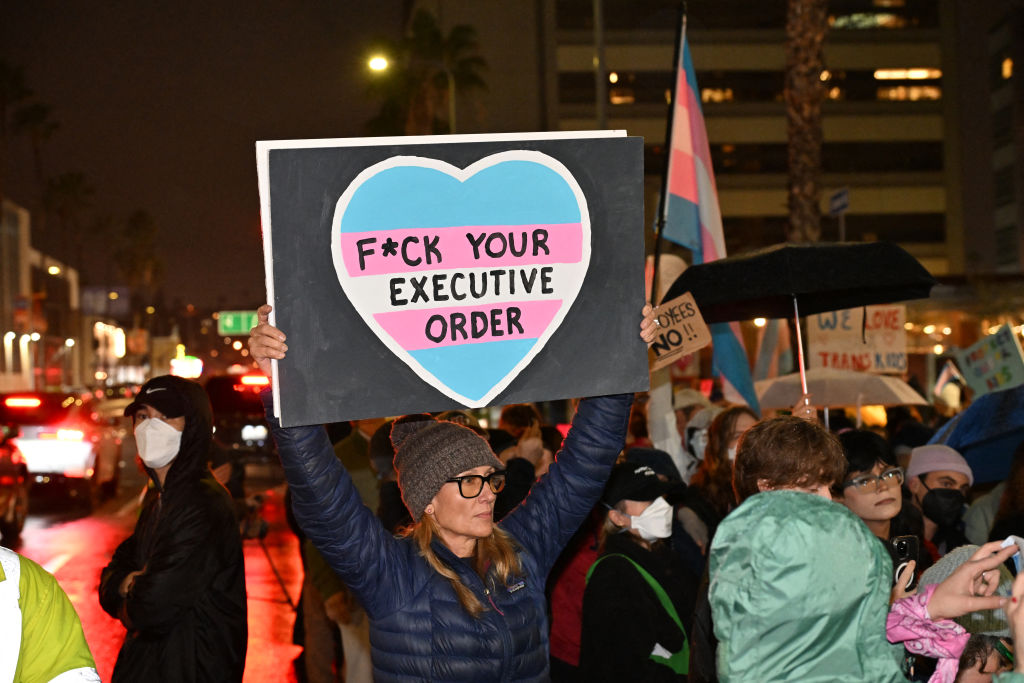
<point x="508" y="193"/>
<point x="473" y="369"/>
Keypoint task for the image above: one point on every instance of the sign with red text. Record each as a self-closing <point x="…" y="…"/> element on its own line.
<point x="994" y="363"/>
<point x="421" y="274"/>
<point x="681" y="331"/>
<point x="868" y="339"/>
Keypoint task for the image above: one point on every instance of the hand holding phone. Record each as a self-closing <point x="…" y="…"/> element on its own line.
<point x="904" y="550"/>
<point x="1019" y="542"/>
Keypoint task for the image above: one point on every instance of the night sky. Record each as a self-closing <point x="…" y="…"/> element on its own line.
<point x="160" y="105"/>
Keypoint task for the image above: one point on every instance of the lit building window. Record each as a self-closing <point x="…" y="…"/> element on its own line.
<point x="716" y="95"/>
<point x="867" y="20"/>
<point x="910" y="93"/>
<point x="914" y="74"/>
<point x="621" y="96"/>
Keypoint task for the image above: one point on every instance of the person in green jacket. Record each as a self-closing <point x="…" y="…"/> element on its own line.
<point x="42" y="638"/>
<point x="800" y="592"/>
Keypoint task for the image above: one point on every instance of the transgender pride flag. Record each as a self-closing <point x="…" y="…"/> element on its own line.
<point x="692" y="218"/>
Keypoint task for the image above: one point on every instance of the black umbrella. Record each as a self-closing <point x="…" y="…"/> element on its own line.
<point x="825" y="276"/>
<point x="795" y="279"/>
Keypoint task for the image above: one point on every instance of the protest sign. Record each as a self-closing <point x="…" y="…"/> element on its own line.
<point x="870" y="339"/>
<point x="419" y="274"/>
<point x="994" y="363"/>
<point x="681" y="331"/>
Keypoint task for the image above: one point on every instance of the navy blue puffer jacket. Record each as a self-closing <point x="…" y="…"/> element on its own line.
<point x="418" y="629"/>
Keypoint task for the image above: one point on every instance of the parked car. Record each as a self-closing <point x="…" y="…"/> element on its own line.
<point x="59" y="439"/>
<point x="239" y="424"/>
<point x="14" y="485"/>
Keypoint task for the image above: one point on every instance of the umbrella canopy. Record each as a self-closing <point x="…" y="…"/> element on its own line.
<point x="822" y="276"/>
<point x="830" y="387"/>
<point x="988" y="433"/>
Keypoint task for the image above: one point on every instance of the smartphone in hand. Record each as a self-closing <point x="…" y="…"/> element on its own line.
<point x="1011" y="540"/>
<point x="904" y="549"/>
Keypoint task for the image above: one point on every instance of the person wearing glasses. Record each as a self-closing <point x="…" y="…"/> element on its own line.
<point x="457" y="597"/>
<point x="872" y="490"/>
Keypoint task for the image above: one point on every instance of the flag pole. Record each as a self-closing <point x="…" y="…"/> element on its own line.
<point x="663" y="197"/>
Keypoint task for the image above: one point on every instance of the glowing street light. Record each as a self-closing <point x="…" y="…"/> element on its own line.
<point x="378" y="63"/>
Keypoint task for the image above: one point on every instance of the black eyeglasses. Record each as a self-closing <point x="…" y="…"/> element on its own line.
<point x="894" y="474"/>
<point x="470" y="485"/>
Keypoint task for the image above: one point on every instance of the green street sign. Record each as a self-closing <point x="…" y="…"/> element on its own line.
<point x="234" y="323"/>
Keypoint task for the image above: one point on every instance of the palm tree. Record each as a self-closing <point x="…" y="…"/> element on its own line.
<point x="68" y="196"/>
<point x="430" y="70"/>
<point x="35" y="120"/>
<point x="806" y="26"/>
<point x="12" y="91"/>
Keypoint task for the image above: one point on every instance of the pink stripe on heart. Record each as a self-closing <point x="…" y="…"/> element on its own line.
<point x="417" y="249"/>
<point x="513" y="319"/>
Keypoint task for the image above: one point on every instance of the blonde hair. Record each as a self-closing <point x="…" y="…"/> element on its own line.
<point x="609" y="528"/>
<point x="497" y="552"/>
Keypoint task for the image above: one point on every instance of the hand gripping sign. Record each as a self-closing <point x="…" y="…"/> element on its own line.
<point x="467" y="264"/>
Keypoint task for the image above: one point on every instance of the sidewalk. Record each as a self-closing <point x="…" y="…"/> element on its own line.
<point x="271" y="617"/>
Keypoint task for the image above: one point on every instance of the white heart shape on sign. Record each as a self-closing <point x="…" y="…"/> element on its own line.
<point x="464" y="274"/>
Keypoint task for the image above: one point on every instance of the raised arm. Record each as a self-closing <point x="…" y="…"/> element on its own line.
<point x="560" y="500"/>
<point x="325" y="502"/>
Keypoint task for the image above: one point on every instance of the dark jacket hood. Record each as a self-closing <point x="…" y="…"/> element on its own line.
<point x="191" y="462"/>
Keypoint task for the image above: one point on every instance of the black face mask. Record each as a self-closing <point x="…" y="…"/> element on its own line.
<point x="945" y="507"/>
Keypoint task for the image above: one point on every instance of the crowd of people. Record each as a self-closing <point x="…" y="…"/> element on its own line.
<point x="437" y="549"/>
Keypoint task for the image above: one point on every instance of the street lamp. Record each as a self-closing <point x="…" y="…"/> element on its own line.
<point x="378" y="63"/>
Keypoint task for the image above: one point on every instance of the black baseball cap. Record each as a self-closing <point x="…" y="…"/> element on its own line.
<point x="163" y="393"/>
<point x="632" y="481"/>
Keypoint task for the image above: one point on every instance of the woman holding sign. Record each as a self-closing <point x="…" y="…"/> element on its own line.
<point x="458" y="598"/>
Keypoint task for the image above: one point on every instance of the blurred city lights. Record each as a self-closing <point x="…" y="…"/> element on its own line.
<point x="613" y="77"/>
<point x="907" y="74"/>
<point x="938" y="349"/>
<point x="237" y="345"/>
<point x="112" y="296"/>
<point x="53" y="270"/>
<point x="378" y="63"/>
<point x="760" y="322"/>
<point x="69" y="342"/>
<point x="929" y="329"/>
<point x="34" y="336"/>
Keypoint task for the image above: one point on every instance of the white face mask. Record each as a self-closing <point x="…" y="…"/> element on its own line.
<point x="732" y="453"/>
<point x="158" y="442"/>
<point x="655" y="522"/>
<point x="698" y="442"/>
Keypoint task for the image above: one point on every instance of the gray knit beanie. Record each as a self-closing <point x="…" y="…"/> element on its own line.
<point x="990" y="622"/>
<point x="428" y="453"/>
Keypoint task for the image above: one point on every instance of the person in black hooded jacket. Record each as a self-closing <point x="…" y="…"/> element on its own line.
<point x="178" y="582"/>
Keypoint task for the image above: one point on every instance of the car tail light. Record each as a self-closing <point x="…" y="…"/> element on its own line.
<point x="255" y="380"/>
<point x="8" y="480"/>
<point x="23" y="402"/>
